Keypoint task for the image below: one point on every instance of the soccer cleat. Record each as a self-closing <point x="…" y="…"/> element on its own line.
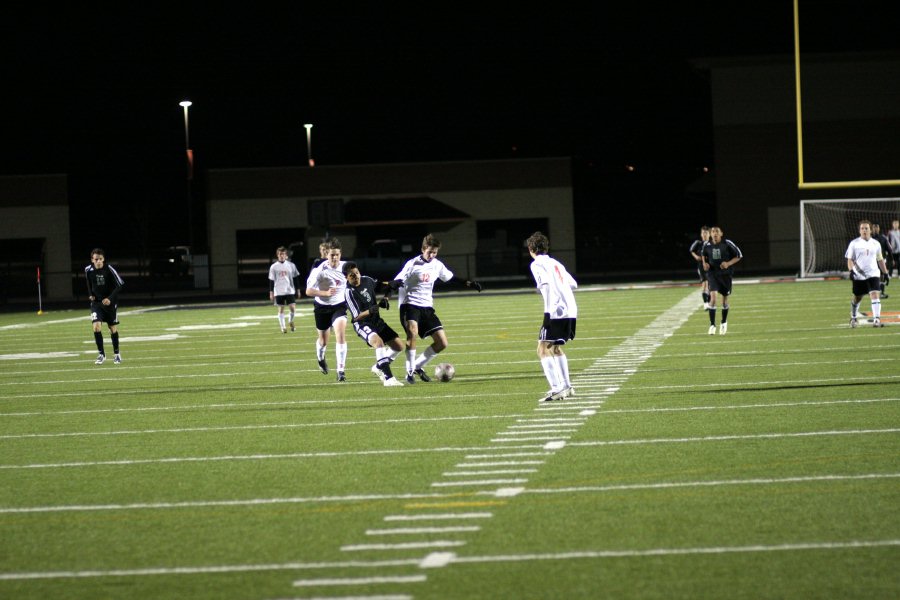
<point x="117" y="359"/>
<point x="101" y="358"/>
<point x="292" y="327"/>
<point x="323" y="366"/>
<point x="712" y="330"/>
<point x="723" y="328"/>
<point x="410" y="379"/>
<point x="283" y="330"/>
<point x="853" y="322"/>
<point x="551" y="396"/>
<point x="877" y="323"/>
<point x="421" y="373"/>
<point x="340" y="377"/>
<point x="379" y="373"/>
<point x="568" y="392"/>
<point x="393" y="382"/>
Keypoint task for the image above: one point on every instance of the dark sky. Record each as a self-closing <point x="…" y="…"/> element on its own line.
<point x="94" y="92"/>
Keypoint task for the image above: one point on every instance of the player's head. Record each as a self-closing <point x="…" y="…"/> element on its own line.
<point x="704" y="233"/>
<point x="876" y="228"/>
<point x="538" y="243"/>
<point x="281" y="253"/>
<point x="715" y="232"/>
<point x="865" y="229"/>
<point x="351" y="272"/>
<point x="323" y="250"/>
<point x="430" y="247"/>
<point x="895" y="223"/>
<point x="334" y="252"/>
<point x="98" y="258"/>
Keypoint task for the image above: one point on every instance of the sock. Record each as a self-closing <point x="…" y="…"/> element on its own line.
<point x="410" y="360"/>
<point x="115" y="341"/>
<point x="725" y="314"/>
<point x="426" y="356"/>
<point x="320" y="350"/>
<point x="98" y="337"/>
<point x="705" y="297"/>
<point x="281" y="320"/>
<point x="383" y="362"/>
<point x="291" y="319"/>
<point x="390" y="353"/>
<point x="563" y="363"/>
<point x="712" y="315"/>
<point x="551" y="372"/>
<point x="876" y="309"/>
<point x="854" y="309"/>
<point x="340" y="351"/>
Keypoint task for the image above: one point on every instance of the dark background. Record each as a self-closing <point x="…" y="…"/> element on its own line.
<point x="93" y="92"/>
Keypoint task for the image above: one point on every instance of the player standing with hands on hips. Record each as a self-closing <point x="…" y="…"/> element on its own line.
<point x="103" y="286"/>
<point x="866" y="264"/>
<point x="560" y="313"/>
<point x="719" y="257"/>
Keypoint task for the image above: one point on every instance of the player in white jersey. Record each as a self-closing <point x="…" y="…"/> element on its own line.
<point x="283" y="276"/>
<point x="560" y="314"/>
<point x="416" y="282"/>
<point x="326" y="285"/>
<point x="866" y="264"/>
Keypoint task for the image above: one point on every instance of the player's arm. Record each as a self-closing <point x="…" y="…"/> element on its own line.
<point x="118" y="284"/>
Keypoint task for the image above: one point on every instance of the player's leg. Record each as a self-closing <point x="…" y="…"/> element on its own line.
<point x="96" y="327"/>
<point x="713" y="296"/>
<point x="340" y="344"/>
<point x="114" y="335"/>
<point x="550" y="366"/>
<point x="321" y="346"/>
<point x="293" y="309"/>
<point x="438" y="344"/>
<point x="412" y="333"/>
<point x="280" y="315"/>
<point x="875" y="299"/>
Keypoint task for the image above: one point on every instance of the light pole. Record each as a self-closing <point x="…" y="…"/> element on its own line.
<point x="185" y="104"/>
<point x="309" y="157"/>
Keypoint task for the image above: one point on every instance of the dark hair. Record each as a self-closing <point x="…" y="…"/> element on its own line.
<point x="334" y="244"/>
<point x="98" y="251"/>
<point x="430" y="242"/>
<point x="538" y="243"/>
<point x="348" y="266"/>
<point x="704" y="228"/>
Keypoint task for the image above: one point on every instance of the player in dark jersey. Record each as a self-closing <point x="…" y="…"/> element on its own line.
<point x="695" y="250"/>
<point x="103" y="286"/>
<point x="364" y="310"/>
<point x="719" y="257"/>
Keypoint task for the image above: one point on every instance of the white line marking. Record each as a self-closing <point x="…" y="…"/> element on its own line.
<point x="442" y="516"/>
<point x="557" y="445"/>
<point x="508" y="492"/>
<point x="744" y="406"/>
<point x="501" y="463"/>
<point x="479" y="482"/>
<point x="713" y="483"/>
<point x="437" y="560"/>
<point x="403" y="546"/>
<point x="552" y="429"/>
<point x="531" y="439"/>
<point x="493" y="472"/>
<point x="359" y="581"/>
<point x="416" y="530"/>
<point x="510" y="455"/>
<point x="720" y="438"/>
<point x="30" y="355"/>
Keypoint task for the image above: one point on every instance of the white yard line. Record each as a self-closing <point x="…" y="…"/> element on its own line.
<point x="721" y="438"/>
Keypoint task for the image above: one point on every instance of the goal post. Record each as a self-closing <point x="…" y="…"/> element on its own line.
<point x="828" y="226"/>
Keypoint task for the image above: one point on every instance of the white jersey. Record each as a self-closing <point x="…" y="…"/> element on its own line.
<point x="556" y="285"/>
<point x="418" y="279"/>
<point x="323" y="278"/>
<point x="283" y="273"/>
<point x="865" y="254"/>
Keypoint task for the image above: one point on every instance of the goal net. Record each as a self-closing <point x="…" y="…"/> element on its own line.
<point x="828" y="226"/>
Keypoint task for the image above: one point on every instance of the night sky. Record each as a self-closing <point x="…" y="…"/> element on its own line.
<point x="94" y="93"/>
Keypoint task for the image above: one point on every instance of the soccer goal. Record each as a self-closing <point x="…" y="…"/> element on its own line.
<point x="827" y="226"/>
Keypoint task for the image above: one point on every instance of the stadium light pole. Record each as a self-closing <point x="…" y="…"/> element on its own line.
<point x="309" y="157"/>
<point x="185" y="104"/>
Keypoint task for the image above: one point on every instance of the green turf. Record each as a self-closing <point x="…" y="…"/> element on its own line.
<point x="217" y="462"/>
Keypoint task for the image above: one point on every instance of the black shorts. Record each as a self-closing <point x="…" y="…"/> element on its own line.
<point x="368" y="328"/>
<point x="285" y="300"/>
<point x="557" y="331"/>
<point x="861" y="287"/>
<point x="719" y="281"/>
<point x="425" y="316"/>
<point x="104" y="314"/>
<point x="327" y="314"/>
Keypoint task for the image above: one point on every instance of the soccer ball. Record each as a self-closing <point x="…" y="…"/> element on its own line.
<point x="444" y="372"/>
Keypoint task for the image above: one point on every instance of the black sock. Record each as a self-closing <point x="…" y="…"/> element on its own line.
<point x="706" y="297"/>
<point x="115" y="341"/>
<point x="724" y="314"/>
<point x="712" y="315"/>
<point x="384" y="365"/>
<point x="98" y="337"/>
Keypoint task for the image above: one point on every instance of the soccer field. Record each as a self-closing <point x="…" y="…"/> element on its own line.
<point x="218" y="462"/>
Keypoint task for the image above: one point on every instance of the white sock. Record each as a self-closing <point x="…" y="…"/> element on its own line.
<point x="391" y="353"/>
<point x="281" y="320"/>
<point x="340" y="351"/>
<point x="320" y="350"/>
<point x="410" y="359"/>
<point x="563" y="364"/>
<point x="876" y="309"/>
<point x="551" y="371"/>
<point x="426" y="356"/>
